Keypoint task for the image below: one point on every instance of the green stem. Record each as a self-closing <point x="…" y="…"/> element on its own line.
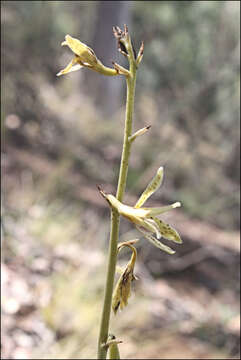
<point x="131" y="81"/>
<point x="104" y="70"/>
<point x="114" y="352"/>
<point x="115" y="218"/>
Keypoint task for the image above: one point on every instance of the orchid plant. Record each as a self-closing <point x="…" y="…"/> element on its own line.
<point x="144" y="218"/>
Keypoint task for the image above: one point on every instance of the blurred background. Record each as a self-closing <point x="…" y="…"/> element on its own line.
<point x="62" y="136"/>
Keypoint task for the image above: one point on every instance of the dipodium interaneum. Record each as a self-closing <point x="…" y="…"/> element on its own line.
<point x="145" y="219"/>
<point x="122" y="289"/>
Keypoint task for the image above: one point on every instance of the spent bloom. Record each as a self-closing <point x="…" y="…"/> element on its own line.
<point x="122" y="289"/>
<point x="84" y="56"/>
<point x="145" y="219"/>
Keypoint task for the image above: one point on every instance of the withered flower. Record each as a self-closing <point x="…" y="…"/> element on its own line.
<point x="125" y="44"/>
<point x="122" y="289"/>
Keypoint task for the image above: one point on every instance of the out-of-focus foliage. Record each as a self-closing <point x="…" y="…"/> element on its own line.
<point x="32" y="34"/>
<point x="57" y="146"/>
<point x="188" y="89"/>
<point x="191" y="68"/>
<point x="183" y="40"/>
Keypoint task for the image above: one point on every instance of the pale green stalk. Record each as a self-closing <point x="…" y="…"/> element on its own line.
<point x="114" y="352"/>
<point x="115" y="218"/>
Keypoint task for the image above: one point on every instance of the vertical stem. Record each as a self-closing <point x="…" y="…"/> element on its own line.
<point x="131" y="81"/>
<point x="115" y="218"/>
<point x="105" y="319"/>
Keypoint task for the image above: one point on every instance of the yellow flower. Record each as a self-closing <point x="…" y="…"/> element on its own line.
<point x="145" y="219"/>
<point x="84" y="56"/>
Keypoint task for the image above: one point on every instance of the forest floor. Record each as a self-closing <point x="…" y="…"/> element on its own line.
<point x="53" y="266"/>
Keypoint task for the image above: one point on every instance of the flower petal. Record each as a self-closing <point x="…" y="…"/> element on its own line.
<point x="72" y="66"/>
<point x="150" y="224"/>
<point x="125" y="210"/>
<point x="151" y="187"/>
<point x="75" y="45"/>
<point x="160" y="210"/>
<point x="85" y="53"/>
<point x="156" y="242"/>
<point x="167" y="231"/>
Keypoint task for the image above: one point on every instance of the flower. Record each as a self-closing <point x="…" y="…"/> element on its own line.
<point x="84" y="56"/>
<point x="122" y="289"/>
<point x="145" y="219"/>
